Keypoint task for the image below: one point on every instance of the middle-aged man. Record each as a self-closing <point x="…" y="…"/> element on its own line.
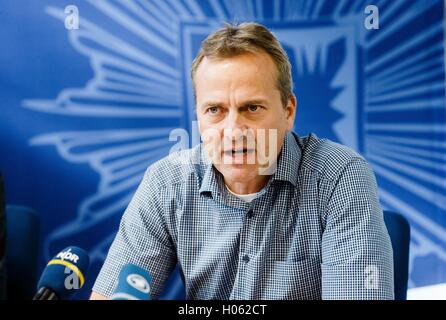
<point x="255" y="211"/>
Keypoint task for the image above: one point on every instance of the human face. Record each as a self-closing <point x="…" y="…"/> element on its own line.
<point x="236" y="97"/>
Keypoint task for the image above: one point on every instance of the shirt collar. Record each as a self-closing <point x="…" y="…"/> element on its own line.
<point x="287" y="166"/>
<point x="289" y="160"/>
<point x="210" y="181"/>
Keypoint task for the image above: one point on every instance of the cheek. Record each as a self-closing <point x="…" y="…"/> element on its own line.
<point x="276" y="119"/>
<point x="203" y="125"/>
<point x="200" y="124"/>
<point x="286" y="122"/>
<point x="210" y="136"/>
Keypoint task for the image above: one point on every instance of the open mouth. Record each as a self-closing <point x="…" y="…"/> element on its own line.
<point x="238" y="152"/>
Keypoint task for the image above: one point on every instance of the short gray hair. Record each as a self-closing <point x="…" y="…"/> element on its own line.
<point x="233" y="40"/>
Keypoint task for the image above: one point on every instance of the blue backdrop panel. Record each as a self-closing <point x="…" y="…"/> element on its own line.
<point x="84" y="112"/>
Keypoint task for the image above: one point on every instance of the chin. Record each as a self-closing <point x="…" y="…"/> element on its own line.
<point x="238" y="173"/>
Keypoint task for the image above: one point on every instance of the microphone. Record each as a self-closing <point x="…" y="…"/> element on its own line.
<point x="63" y="275"/>
<point x="133" y="284"/>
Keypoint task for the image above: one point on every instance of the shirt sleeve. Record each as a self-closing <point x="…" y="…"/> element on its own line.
<point x="357" y="258"/>
<point x="142" y="239"/>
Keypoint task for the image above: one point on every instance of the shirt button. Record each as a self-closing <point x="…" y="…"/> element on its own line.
<point x="250" y="213"/>
<point x="245" y="258"/>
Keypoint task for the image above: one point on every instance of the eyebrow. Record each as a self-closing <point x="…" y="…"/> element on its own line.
<point x="243" y="104"/>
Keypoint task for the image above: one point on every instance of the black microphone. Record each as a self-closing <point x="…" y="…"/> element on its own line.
<point x="63" y="275"/>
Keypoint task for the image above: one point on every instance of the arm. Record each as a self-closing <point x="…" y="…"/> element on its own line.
<point x="97" y="296"/>
<point x="142" y="239"/>
<point x="357" y="260"/>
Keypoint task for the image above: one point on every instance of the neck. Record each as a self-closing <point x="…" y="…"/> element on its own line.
<point x="247" y="187"/>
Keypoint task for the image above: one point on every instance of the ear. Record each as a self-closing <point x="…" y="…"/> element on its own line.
<point x="291" y="112"/>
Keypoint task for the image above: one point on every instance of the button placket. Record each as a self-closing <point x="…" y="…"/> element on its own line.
<point x="244" y="248"/>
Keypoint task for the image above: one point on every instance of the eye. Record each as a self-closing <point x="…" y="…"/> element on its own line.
<point x="254" y="108"/>
<point x="213" y="110"/>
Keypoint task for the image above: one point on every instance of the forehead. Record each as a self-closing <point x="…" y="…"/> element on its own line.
<point x="248" y="68"/>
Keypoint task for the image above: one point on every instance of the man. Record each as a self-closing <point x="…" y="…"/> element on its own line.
<point x="301" y="220"/>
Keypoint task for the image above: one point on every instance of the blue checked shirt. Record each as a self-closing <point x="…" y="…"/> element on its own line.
<point x="317" y="232"/>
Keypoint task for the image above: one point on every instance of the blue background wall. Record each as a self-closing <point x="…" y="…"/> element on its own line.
<point x="84" y="112"/>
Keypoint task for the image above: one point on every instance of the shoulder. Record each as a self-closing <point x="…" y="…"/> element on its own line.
<point x="176" y="168"/>
<point x="327" y="158"/>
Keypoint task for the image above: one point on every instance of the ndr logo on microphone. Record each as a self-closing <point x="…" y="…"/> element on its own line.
<point x="72" y="281"/>
<point x="360" y="78"/>
<point x="68" y="255"/>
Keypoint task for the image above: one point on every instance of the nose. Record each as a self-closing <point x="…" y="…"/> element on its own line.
<point x="235" y="128"/>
